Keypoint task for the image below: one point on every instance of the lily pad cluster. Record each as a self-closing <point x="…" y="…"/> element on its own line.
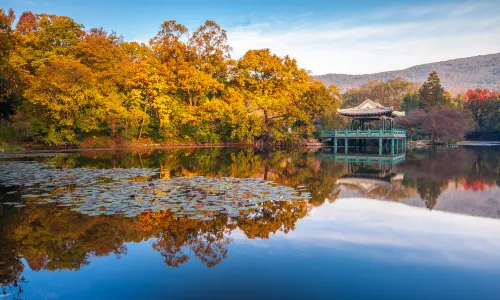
<point x="38" y="176"/>
<point x="117" y="191"/>
<point x="8" y="155"/>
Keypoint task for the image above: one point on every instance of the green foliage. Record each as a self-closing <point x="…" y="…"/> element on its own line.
<point x="410" y="102"/>
<point x="432" y="94"/>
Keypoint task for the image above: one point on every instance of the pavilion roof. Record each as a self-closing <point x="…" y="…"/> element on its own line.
<point x="367" y="108"/>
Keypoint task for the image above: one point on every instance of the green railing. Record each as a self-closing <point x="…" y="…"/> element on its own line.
<point x="329" y="133"/>
<point x="369" y="159"/>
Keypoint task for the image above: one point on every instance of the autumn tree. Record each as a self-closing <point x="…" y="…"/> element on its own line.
<point x="44" y="36"/>
<point x="320" y="104"/>
<point x="273" y="86"/>
<point x="211" y="49"/>
<point x="64" y="95"/>
<point x="69" y="85"/>
<point x="443" y="125"/>
<point x="10" y="83"/>
<point x="485" y="108"/>
<point x="194" y="85"/>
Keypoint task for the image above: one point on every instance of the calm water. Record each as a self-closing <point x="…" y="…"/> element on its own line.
<point x="424" y="225"/>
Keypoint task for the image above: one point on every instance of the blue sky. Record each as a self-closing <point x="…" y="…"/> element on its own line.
<point x="324" y="36"/>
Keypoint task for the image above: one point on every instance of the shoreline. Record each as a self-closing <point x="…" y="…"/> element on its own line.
<point x="305" y="146"/>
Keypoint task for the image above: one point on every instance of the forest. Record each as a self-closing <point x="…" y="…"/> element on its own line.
<point x="64" y="85"/>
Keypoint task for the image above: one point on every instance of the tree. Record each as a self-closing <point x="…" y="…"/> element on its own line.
<point x="61" y="84"/>
<point x="63" y="93"/>
<point x="168" y="44"/>
<point x="484" y="106"/>
<point x="432" y="94"/>
<point x="321" y="103"/>
<point x="209" y="44"/>
<point x="193" y="81"/>
<point x="44" y="36"/>
<point x="273" y="86"/>
<point x="444" y="124"/>
<point x="10" y="83"/>
<point x="410" y="102"/>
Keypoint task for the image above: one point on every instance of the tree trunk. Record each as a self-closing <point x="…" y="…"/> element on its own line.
<point x="140" y="130"/>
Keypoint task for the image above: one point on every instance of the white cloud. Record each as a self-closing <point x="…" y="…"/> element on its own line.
<point x="389" y="39"/>
<point x="414" y="235"/>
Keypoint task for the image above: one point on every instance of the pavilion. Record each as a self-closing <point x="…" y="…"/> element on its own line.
<point x="361" y="119"/>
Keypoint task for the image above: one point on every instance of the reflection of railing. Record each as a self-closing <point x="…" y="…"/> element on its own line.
<point x="369" y="159"/>
<point x="369" y="133"/>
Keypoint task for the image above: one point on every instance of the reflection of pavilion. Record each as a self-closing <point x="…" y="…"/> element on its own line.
<point x="368" y="172"/>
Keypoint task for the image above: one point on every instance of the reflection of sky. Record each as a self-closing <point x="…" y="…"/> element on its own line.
<point x="350" y="249"/>
<point x="397" y="232"/>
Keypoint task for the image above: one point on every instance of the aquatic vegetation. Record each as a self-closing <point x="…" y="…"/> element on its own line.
<point x="8" y="155"/>
<point x="133" y="191"/>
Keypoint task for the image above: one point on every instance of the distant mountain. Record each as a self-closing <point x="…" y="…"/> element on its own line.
<point x="457" y="75"/>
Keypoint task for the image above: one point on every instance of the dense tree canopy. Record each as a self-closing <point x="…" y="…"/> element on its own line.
<point x="180" y="87"/>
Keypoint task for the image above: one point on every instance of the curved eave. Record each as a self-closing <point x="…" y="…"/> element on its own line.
<point x="360" y="114"/>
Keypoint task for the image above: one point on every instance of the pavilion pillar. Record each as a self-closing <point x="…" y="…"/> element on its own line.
<point x="346" y="143"/>
<point x="335" y="145"/>
<point x="380" y="146"/>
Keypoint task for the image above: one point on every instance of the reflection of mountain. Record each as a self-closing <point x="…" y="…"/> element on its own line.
<point x="456" y="199"/>
<point x="454" y="180"/>
<point x="395" y="232"/>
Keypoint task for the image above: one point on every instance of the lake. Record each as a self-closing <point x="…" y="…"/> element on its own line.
<point x="220" y="223"/>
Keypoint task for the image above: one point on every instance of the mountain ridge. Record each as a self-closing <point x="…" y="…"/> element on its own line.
<point x="457" y="75"/>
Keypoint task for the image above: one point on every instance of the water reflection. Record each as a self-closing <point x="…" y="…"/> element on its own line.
<point x="395" y="233"/>
<point x="458" y="180"/>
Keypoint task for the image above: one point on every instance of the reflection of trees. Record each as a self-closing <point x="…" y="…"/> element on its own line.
<point x="430" y="191"/>
<point x="484" y="170"/>
<point x="304" y="169"/>
<point x="11" y="265"/>
<point x="273" y="217"/>
<point x="55" y="238"/>
<point x="290" y="168"/>
<point x="206" y="239"/>
<point x="430" y="170"/>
